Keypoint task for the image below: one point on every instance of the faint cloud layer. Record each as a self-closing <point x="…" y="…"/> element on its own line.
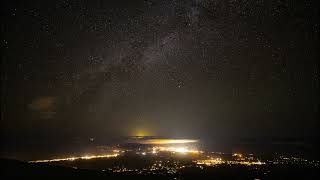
<point x="45" y="107"/>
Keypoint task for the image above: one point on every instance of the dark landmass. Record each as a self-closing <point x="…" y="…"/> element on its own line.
<point x="17" y="169"/>
<point x="12" y="169"/>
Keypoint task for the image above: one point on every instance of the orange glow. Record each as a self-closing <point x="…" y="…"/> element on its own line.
<point x="141" y="132"/>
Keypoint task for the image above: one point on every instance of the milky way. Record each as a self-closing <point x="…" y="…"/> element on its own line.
<point x="194" y="68"/>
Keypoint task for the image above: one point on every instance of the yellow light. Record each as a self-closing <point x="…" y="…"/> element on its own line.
<point x="237" y="155"/>
<point x="116" y="150"/>
<point x="210" y="162"/>
<point x="168" y="141"/>
<point x="76" y="158"/>
<point x="182" y="150"/>
<point x="141" y="132"/>
<point x="154" y="150"/>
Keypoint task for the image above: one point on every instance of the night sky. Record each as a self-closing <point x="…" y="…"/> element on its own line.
<point x="184" y="68"/>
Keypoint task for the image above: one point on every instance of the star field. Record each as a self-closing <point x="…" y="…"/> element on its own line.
<point x="182" y="68"/>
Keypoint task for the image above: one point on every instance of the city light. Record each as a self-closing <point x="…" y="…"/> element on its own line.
<point x="174" y="164"/>
<point x="76" y="158"/>
<point x="210" y="162"/>
<point x="216" y="161"/>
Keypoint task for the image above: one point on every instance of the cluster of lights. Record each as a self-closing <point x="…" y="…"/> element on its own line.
<point x="210" y="162"/>
<point x="238" y="156"/>
<point x="294" y="160"/>
<point x="76" y="158"/>
<point x="216" y="161"/>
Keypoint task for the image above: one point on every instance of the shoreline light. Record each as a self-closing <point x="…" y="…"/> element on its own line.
<point x="75" y="158"/>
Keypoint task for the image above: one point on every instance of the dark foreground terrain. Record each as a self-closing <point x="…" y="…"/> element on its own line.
<point x="12" y="169"/>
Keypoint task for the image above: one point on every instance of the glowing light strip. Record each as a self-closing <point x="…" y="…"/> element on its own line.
<point x="167" y="141"/>
<point x="210" y="162"/>
<point x="176" y="149"/>
<point x="76" y="158"/>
